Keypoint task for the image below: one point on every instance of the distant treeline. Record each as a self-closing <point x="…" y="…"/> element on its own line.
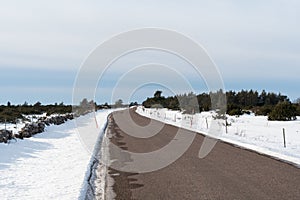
<point x="237" y="103"/>
<point x="86" y="106"/>
<point x="10" y="113"/>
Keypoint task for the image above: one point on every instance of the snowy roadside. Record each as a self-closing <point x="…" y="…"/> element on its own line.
<point x="99" y="182"/>
<point x="247" y="131"/>
<point x="50" y="165"/>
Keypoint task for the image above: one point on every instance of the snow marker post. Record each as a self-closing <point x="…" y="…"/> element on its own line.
<point x="284" y="141"/>
<point x="96" y="119"/>
<point x="226" y="125"/>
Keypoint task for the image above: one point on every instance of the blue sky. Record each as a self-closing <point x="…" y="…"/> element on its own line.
<point x="255" y="44"/>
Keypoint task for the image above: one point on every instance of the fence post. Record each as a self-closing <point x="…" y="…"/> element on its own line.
<point x="206" y="122"/>
<point x="284" y="141"/>
<point x="226" y="125"/>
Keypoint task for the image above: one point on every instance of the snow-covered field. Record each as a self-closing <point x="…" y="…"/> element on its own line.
<point x="55" y="164"/>
<point x="49" y="165"/>
<point x="248" y="131"/>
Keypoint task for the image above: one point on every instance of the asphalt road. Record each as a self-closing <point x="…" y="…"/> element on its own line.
<point x="228" y="172"/>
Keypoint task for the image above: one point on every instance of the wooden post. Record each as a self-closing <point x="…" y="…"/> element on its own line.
<point x="226" y="124"/>
<point x="206" y="122"/>
<point x="284" y="141"/>
<point x="96" y="120"/>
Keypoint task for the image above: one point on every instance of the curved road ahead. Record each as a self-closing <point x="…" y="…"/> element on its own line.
<point x="227" y="172"/>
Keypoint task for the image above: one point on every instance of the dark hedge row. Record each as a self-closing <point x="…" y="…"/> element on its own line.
<point x="10" y="113"/>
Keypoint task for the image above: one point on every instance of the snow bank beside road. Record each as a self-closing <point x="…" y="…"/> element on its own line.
<point x="251" y="132"/>
<point x="49" y="165"/>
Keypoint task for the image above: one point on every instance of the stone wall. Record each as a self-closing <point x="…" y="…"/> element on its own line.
<point x="5" y="135"/>
<point x="33" y="128"/>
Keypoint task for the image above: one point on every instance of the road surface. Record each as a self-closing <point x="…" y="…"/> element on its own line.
<point x="228" y="172"/>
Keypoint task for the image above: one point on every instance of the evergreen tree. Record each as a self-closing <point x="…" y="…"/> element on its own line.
<point x="119" y="103"/>
<point x="283" y="111"/>
<point x="157" y="94"/>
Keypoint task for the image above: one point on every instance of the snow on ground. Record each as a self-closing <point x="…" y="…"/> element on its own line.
<point x="49" y="165"/>
<point x="55" y="164"/>
<point x="248" y="131"/>
<point x="15" y="128"/>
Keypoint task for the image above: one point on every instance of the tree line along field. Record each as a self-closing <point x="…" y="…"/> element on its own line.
<point x="275" y="106"/>
<point x="10" y="113"/>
